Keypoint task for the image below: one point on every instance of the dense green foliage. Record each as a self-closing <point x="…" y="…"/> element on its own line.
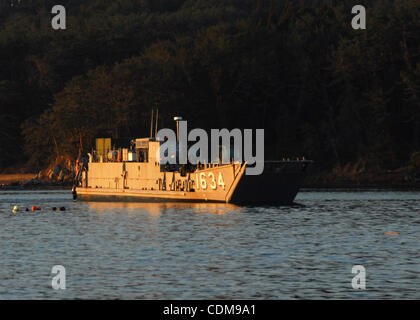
<point x="317" y="87"/>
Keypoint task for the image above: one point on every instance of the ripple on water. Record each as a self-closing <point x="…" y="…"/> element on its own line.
<point x="212" y="251"/>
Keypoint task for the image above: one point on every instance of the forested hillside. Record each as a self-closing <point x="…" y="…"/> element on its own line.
<point x="295" y="68"/>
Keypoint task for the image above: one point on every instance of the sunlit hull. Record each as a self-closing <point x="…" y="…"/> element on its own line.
<point x="279" y="184"/>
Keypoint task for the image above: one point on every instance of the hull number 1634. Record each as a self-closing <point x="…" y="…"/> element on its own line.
<point x="203" y="182"/>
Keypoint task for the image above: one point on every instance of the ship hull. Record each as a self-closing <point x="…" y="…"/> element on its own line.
<point x="138" y="196"/>
<point x="279" y="184"/>
<point x="264" y="189"/>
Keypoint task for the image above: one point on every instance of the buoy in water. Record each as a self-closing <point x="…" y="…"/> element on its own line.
<point x="15" y="209"/>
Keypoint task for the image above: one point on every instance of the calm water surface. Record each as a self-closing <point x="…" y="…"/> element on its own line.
<point x="212" y="251"/>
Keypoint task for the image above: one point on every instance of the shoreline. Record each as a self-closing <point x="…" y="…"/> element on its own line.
<point x="360" y="188"/>
<point x="382" y="185"/>
<point x="31" y="181"/>
<point x="14" y="178"/>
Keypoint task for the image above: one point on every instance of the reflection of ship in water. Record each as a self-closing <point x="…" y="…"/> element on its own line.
<point x="135" y="173"/>
<point x="157" y="208"/>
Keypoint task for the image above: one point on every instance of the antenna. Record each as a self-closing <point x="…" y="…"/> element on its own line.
<point x="151" y="125"/>
<point x="157" y="118"/>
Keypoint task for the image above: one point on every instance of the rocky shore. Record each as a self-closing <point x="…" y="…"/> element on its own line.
<point x="54" y="177"/>
<point x="401" y="178"/>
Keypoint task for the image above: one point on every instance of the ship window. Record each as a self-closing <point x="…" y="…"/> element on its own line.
<point x="142" y="155"/>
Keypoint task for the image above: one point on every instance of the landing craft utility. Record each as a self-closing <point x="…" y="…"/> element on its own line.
<point x="137" y="172"/>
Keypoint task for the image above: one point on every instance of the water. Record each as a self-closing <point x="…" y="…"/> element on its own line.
<point x="212" y="251"/>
